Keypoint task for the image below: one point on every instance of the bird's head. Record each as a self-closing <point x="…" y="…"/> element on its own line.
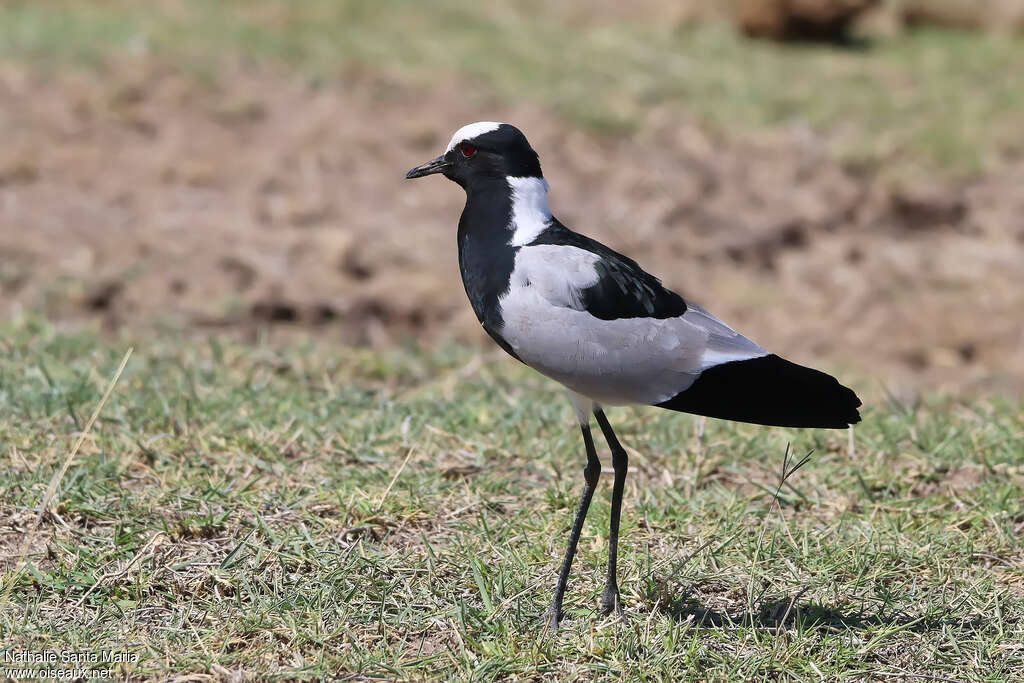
<point x="484" y="150"/>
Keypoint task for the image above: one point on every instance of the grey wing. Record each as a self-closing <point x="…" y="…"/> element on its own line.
<point x="611" y="360"/>
<point x="723" y="344"/>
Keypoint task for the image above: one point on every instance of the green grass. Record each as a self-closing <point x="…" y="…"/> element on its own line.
<point x="232" y="510"/>
<point x="951" y="99"/>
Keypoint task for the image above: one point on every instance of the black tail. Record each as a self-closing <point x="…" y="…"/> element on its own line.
<point x="769" y="391"/>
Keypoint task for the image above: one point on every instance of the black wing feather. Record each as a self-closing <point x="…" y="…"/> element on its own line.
<point x="623" y="289"/>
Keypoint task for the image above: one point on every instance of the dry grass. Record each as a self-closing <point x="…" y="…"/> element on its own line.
<point x="240" y="510"/>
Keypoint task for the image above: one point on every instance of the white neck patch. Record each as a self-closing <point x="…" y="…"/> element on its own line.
<point x="471" y="131"/>
<point x="530" y="212"/>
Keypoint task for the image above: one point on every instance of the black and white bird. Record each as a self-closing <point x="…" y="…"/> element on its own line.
<point x="595" y="321"/>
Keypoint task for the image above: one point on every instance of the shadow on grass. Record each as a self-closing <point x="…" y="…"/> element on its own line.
<point x="786" y="614"/>
<point x="845" y="43"/>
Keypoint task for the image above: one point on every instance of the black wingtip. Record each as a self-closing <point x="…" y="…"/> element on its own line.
<point x="769" y="390"/>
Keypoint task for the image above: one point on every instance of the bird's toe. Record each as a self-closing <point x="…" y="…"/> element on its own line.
<point x="610" y="602"/>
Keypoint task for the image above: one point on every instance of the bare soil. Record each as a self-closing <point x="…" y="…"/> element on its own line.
<point x="138" y="195"/>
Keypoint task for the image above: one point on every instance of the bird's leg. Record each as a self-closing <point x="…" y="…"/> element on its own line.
<point x="590" y="476"/>
<point x="620" y="461"/>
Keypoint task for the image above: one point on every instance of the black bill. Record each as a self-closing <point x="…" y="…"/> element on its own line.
<point x="438" y="165"/>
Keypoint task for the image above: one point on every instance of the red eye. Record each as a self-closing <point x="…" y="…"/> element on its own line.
<point x="467" y="149"/>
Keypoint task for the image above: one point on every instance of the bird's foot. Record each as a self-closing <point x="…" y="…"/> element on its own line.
<point x="552" y="618"/>
<point x="610" y="602"/>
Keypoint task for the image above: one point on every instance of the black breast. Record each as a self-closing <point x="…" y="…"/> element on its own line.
<point x="486" y="259"/>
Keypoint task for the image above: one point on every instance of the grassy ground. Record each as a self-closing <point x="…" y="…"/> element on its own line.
<point x="305" y="510"/>
<point x="244" y="508"/>
<point x="951" y="99"/>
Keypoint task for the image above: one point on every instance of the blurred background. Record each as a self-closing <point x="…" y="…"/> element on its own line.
<point x="843" y="180"/>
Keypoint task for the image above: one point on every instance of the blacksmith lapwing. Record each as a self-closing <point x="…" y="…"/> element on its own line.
<point x="595" y="321"/>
